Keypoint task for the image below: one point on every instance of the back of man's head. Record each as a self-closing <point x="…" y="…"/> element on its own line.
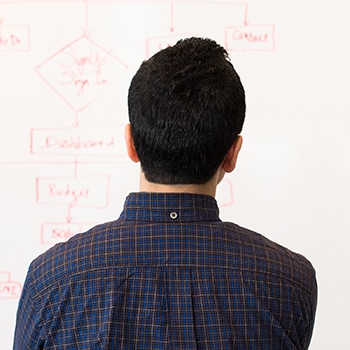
<point x="186" y="108"/>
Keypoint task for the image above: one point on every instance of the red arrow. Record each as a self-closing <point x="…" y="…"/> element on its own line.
<point x="245" y="14"/>
<point x="172" y="16"/>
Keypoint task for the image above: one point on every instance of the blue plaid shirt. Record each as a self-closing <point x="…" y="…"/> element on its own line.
<point x="168" y="274"/>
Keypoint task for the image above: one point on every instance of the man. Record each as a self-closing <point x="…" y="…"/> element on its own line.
<point x="169" y="274"/>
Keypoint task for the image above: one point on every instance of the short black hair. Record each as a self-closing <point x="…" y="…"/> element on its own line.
<point x="186" y="108"/>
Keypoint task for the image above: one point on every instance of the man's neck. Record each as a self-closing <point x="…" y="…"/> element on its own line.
<point x="208" y="188"/>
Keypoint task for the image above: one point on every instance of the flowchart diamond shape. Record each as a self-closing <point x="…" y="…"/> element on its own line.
<point x="80" y="72"/>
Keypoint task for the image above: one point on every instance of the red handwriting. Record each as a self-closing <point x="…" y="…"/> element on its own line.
<point x="8" y="288"/>
<point x="78" y="191"/>
<point x="14" y="38"/>
<point x="250" y="38"/>
<point x="81" y="71"/>
<point x="62" y="233"/>
<point x="98" y="140"/>
<point x="77" y="142"/>
<point x="52" y="233"/>
<point x="82" y="63"/>
<point x="11" y="41"/>
<point x="65" y="190"/>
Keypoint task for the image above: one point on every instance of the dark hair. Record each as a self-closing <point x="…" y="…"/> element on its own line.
<point x="186" y="107"/>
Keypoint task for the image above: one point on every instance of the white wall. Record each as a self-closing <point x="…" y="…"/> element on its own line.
<point x="65" y="67"/>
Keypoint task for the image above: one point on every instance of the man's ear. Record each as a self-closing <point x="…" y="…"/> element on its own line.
<point x="231" y="157"/>
<point x="130" y="147"/>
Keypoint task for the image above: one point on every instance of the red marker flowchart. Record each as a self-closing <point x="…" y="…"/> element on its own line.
<point x="241" y="37"/>
<point x="244" y="36"/>
<point x="78" y="73"/>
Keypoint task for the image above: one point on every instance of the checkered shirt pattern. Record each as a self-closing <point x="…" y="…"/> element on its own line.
<point x="168" y="274"/>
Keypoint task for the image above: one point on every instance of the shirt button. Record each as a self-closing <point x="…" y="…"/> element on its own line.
<point x="173" y="215"/>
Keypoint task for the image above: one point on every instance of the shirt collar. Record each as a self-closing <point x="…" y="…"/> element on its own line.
<point x="170" y="207"/>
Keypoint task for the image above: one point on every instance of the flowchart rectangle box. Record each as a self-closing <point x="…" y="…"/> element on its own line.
<point x="9" y="289"/>
<point x="250" y="38"/>
<point x="89" y="191"/>
<point x="52" y="233"/>
<point x="156" y="44"/>
<point x="88" y="141"/>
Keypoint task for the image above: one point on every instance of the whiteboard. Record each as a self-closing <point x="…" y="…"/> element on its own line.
<point x="65" y="67"/>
